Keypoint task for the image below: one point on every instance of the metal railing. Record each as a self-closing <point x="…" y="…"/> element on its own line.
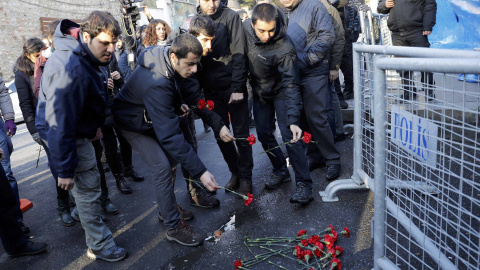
<point x="424" y="189"/>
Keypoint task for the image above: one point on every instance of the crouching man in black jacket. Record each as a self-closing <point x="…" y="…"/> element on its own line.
<point x="272" y="62"/>
<point x="148" y="114"/>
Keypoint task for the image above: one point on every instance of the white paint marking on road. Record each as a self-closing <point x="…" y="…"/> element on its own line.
<point x="27" y="169"/>
<point x="33" y="176"/>
<point x="81" y="263"/>
<point x="41" y="179"/>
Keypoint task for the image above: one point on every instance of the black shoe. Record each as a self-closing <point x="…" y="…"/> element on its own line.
<point x="122" y="185"/>
<point x="130" y="172"/>
<point x="64" y="213"/>
<point x="232" y="183"/>
<point x="312" y="165"/>
<point x="106" y="168"/>
<point x="184" y="214"/>
<point x="184" y="235"/>
<point x="251" y="123"/>
<point x="343" y="104"/>
<point x="202" y="198"/>
<point x="113" y="254"/>
<point x="245" y="186"/>
<point x="108" y="206"/>
<point x="276" y="180"/>
<point x="333" y="171"/>
<point x="24" y="228"/>
<point x="347" y="95"/>
<point x="303" y="194"/>
<point x="31" y="248"/>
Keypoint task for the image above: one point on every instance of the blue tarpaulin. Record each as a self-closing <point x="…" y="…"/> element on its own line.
<point x="458" y="25"/>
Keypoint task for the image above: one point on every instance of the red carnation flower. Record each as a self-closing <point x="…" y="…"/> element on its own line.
<point x="238" y="264"/>
<point x="307" y="137"/>
<point x="346" y="232"/>
<point x="249" y="200"/>
<point x="317" y="252"/>
<point x="336" y="264"/>
<point x="332" y="253"/>
<point x="333" y="234"/>
<point x="301" y="232"/>
<point x="210" y="105"/>
<point x="304" y="242"/>
<point x="202" y="104"/>
<point x="329" y="241"/>
<point x="298" y="251"/>
<point x="313" y="239"/>
<point x="251" y="139"/>
<point x="338" y="250"/>
<point x="319" y="245"/>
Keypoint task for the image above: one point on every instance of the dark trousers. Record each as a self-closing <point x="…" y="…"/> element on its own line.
<point x="98" y="156"/>
<point x="187" y="126"/>
<point x="263" y="114"/>
<point x="62" y="194"/>
<point x="13" y="239"/>
<point x="416" y="39"/>
<point x="316" y="99"/>
<point x="346" y="66"/>
<point x="115" y="161"/>
<point x="239" y="163"/>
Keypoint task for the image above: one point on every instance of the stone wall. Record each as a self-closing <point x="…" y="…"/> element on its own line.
<point x="20" y="20"/>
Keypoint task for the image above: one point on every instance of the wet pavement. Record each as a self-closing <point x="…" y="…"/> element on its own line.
<point x="137" y="229"/>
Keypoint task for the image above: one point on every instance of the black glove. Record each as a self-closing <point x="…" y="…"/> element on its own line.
<point x="37" y="138"/>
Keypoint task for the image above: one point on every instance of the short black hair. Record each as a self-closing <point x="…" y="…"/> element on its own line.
<point x="264" y="12"/>
<point x="184" y="44"/>
<point x="202" y="24"/>
<point x="100" y="21"/>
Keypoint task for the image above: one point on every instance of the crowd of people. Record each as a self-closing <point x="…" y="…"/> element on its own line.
<point x="81" y="97"/>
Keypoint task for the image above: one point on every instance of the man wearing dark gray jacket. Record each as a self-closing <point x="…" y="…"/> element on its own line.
<point x="311" y="30"/>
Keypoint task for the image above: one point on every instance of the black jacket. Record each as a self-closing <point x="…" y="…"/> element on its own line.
<point x="311" y="30"/>
<point x="27" y="100"/>
<point x="111" y="93"/>
<point x="72" y="97"/>
<point x="159" y="95"/>
<point x="225" y="68"/>
<point x="274" y="69"/>
<point x="410" y="16"/>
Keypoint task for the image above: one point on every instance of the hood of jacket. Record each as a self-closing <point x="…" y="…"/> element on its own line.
<point x="157" y="59"/>
<point x="68" y="38"/>
<point x="280" y="30"/>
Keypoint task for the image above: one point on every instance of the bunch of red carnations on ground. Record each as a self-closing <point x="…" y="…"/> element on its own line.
<point x="309" y="251"/>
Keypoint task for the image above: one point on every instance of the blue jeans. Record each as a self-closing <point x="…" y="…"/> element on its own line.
<point x="263" y="114"/>
<point x="7" y="147"/>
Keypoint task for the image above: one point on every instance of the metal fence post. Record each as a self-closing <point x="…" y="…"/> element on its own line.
<point x="357" y="116"/>
<point x="380" y="179"/>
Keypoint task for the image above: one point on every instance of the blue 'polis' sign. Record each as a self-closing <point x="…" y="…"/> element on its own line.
<point x="415" y="135"/>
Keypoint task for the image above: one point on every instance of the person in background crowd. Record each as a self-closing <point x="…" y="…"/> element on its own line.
<point x="46" y="41"/>
<point x="276" y="92"/>
<point x="156" y="33"/>
<point x="311" y="30"/>
<point x="25" y="84"/>
<point x="121" y="54"/>
<point x="14" y="241"/>
<point x="8" y="128"/>
<point x="411" y="22"/>
<point x="148" y="116"/>
<point x="351" y="26"/>
<point x="223" y="78"/>
<point x="315" y="159"/>
<point x="71" y="109"/>
<point x="243" y="14"/>
<point x="120" y="165"/>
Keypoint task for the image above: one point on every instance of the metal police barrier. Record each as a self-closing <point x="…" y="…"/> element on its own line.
<point x="415" y="172"/>
<point x="431" y="145"/>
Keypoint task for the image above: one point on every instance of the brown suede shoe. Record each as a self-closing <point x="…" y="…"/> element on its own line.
<point x="245" y="187"/>
<point x="232" y="183"/>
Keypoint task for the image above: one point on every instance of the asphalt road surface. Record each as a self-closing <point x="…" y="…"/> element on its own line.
<point x="137" y="229"/>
